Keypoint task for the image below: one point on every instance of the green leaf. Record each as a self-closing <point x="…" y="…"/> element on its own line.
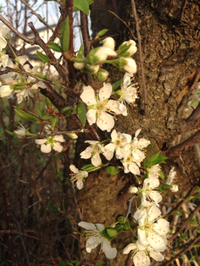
<point x="54" y="46"/>
<point x="197" y="196"/>
<point x="112" y="170"/>
<point x="111" y="231"/>
<point x="62" y="263"/>
<point x="65" y="35"/>
<point x="42" y="77"/>
<point x="47" y="117"/>
<point x="121" y="219"/>
<point x="26" y="116"/>
<point x="80" y="52"/>
<point x="166" y="186"/>
<point x="91" y="167"/>
<point x="197" y="190"/>
<point x="11" y="133"/>
<point x="67" y="110"/>
<point x="43" y="57"/>
<point x="82" y="113"/>
<point x="155" y="159"/>
<point x="102" y="32"/>
<point x="119" y="228"/>
<point x="48" y="102"/>
<point x="122" y="49"/>
<point x="126" y="225"/>
<point x="82" y="5"/>
<point x="117" y="84"/>
<point x="53" y="122"/>
<point x="18" y="87"/>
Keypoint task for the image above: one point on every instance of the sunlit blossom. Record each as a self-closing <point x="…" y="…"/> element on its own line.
<point x="51" y="143"/>
<point x="78" y="176"/>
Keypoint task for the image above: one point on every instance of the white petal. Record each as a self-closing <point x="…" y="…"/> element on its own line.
<point x="79" y="184"/>
<point x="140" y="259"/>
<point x="156" y="242"/>
<point x="73" y="169"/>
<point x="96" y="159"/>
<point x="105" y="122"/>
<point x="110" y="147"/>
<point x="151" y="183"/>
<point x="134" y="169"/>
<point x="128" y="248"/>
<point x="114" y="106"/>
<point x="108" y="250"/>
<point x="57" y="147"/>
<point x="87" y="153"/>
<point x="142" y="237"/>
<point x="46" y="148"/>
<point x="156" y="255"/>
<point x="92" y="243"/>
<point x="41" y="141"/>
<point x="108" y="154"/>
<point x="143" y="143"/>
<point x="174" y="188"/>
<point x="161" y="227"/>
<point x="105" y="91"/>
<point x="155" y="196"/>
<point x="59" y="138"/>
<point x="100" y="226"/>
<point x="87" y="226"/>
<point x="91" y="116"/>
<point x="88" y="95"/>
<point x="5" y="91"/>
<point x="153" y="213"/>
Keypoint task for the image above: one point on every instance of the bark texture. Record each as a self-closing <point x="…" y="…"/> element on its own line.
<point x="170" y="32"/>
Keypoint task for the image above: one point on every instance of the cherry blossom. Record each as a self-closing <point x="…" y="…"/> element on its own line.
<point x="170" y="180"/>
<point x="5" y="90"/>
<point x="109" y="42"/>
<point x="51" y="143"/>
<point x="133" y="48"/>
<point x="127" y="64"/>
<point x="78" y="176"/>
<point x="148" y="192"/>
<point x="94" y="151"/>
<point x="3" y="32"/>
<point x="99" y="106"/>
<point x="154" y="171"/>
<point x="21" y="131"/>
<point x="95" y="237"/>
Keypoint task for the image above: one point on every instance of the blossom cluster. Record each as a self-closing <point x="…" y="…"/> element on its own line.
<point x="20" y="84"/>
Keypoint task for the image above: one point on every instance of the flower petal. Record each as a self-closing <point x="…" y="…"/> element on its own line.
<point x="73" y="168"/>
<point x="105" y="91"/>
<point x="57" y="147"/>
<point x="156" y="255"/>
<point x="128" y="248"/>
<point x="92" y="243"/>
<point x="87" y="226"/>
<point x="105" y="122"/>
<point x="79" y="184"/>
<point x="156" y="242"/>
<point x="161" y="227"/>
<point x="108" y="250"/>
<point x="88" y="95"/>
<point x="87" y="153"/>
<point x="40" y="141"/>
<point x="140" y="259"/>
<point x="96" y="159"/>
<point x="91" y="116"/>
<point x="46" y="148"/>
<point x="59" y="138"/>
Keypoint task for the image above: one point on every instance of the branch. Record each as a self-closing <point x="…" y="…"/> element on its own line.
<point x="31" y="41"/>
<point x="184" y="146"/>
<point x="69" y="13"/>
<point x="61" y="70"/>
<point x="141" y="56"/>
<point x="38" y="16"/>
<point x="85" y="33"/>
<point x="57" y="29"/>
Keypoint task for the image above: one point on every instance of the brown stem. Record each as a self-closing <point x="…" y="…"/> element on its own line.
<point x="141" y="56"/>
<point x="184" y="146"/>
<point x="69" y="13"/>
<point x="85" y="33"/>
<point x="31" y="41"/>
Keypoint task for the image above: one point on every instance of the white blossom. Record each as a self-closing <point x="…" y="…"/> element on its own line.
<point x="3" y="32"/>
<point x="170" y="180"/>
<point x="109" y="42"/>
<point x="94" y="151"/>
<point x="95" y="237"/>
<point x="152" y="230"/>
<point x="128" y="91"/>
<point x="51" y="143"/>
<point x="102" y="54"/>
<point x="148" y="192"/>
<point x="99" y="106"/>
<point x="128" y="65"/>
<point x="21" y="131"/>
<point x="118" y="142"/>
<point x="154" y="171"/>
<point x="5" y="90"/>
<point x="78" y="176"/>
<point x="133" y="48"/>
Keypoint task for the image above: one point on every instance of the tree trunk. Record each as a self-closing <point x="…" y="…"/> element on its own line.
<point x="170" y="35"/>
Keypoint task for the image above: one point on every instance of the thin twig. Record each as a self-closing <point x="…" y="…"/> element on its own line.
<point x="141" y="56"/>
<point x="129" y="206"/>
<point x="38" y="16"/>
<point x="31" y="41"/>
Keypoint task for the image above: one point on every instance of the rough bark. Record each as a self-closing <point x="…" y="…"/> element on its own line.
<point x="170" y="32"/>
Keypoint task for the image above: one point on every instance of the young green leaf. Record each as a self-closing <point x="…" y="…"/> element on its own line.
<point x="111" y="232"/>
<point x="102" y="32"/>
<point x="53" y="122"/>
<point x="82" y="113"/>
<point x="11" y="133"/>
<point x="43" y="57"/>
<point x="117" y="84"/>
<point x="26" y="116"/>
<point x="65" y="35"/>
<point x="54" y="46"/>
<point x="112" y="170"/>
<point x="155" y="159"/>
<point x="90" y="167"/>
<point x="82" y="5"/>
<point x="67" y="110"/>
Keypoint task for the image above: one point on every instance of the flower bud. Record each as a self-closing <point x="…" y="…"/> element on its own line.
<point x="127" y="64"/>
<point x="78" y="65"/>
<point x="102" y="74"/>
<point x="5" y="90"/>
<point x="133" y="49"/>
<point x="109" y="42"/>
<point x="99" y="55"/>
<point x="91" y="69"/>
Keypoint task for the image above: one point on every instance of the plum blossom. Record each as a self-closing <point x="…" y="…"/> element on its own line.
<point x="99" y="106"/>
<point x="94" y="151"/>
<point x="118" y="142"/>
<point x="148" y="192"/>
<point x="170" y="179"/>
<point x="95" y="237"/>
<point x="109" y="42"/>
<point x="140" y="252"/>
<point x="3" y="32"/>
<point x="128" y="162"/>
<point x="152" y="230"/>
<point x="127" y="64"/>
<point x="78" y="176"/>
<point x="128" y="92"/>
<point x="102" y="54"/>
<point x="154" y="171"/>
<point x="21" y="131"/>
<point x="133" y="48"/>
<point x="5" y="90"/>
<point x="51" y="143"/>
